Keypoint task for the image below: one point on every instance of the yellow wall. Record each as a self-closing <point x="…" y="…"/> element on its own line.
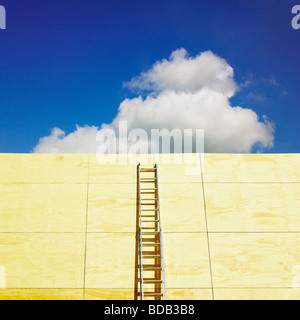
<point x="231" y="226"/>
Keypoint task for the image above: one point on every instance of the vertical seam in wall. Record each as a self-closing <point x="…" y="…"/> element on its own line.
<point x="86" y="221"/>
<point x="207" y="233"/>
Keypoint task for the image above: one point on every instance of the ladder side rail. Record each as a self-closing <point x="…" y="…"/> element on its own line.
<point x="140" y="238"/>
<point x="162" y="257"/>
<point x="157" y="196"/>
<point x="141" y="265"/>
<point x="160" y="237"/>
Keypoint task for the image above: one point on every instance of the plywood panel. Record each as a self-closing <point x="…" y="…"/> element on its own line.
<point x="182" y="207"/>
<point x="189" y="294"/>
<point x="257" y="294"/>
<point x="110" y="261"/>
<point x="116" y="169"/>
<point x="42" y="260"/>
<point x="254" y="259"/>
<point x="44" y="168"/>
<point x="251" y="167"/>
<point x="41" y="294"/>
<point x="178" y="168"/>
<point x="43" y="207"/>
<point x="109" y="294"/>
<point x="253" y="207"/>
<point x="186" y="260"/>
<point x="112" y="208"/>
<point x="128" y="294"/>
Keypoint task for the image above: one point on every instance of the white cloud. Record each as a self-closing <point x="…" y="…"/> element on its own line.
<point x="82" y="140"/>
<point x="190" y="74"/>
<point x="183" y="92"/>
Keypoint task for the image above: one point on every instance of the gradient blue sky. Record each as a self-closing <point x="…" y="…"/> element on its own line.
<point x="63" y="62"/>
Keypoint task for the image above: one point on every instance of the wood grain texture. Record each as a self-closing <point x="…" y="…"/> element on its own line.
<point x="108" y="294"/>
<point x="179" y="168"/>
<point x="127" y="294"/>
<point x="257" y="294"/>
<point x="253" y="207"/>
<point x="254" y="259"/>
<point x="42" y="260"/>
<point x="41" y="294"/>
<point x="182" y="207"/>
<point x="43" y="207"/>
<point x="110" y="261"/>
<point x="186" y="260"/>
<point x="189" y="294"/>
<point x="251" y="167"/>
<point x="112" y="208"/>
<point x="116" y="169"/>
<point x="44" y="168"/>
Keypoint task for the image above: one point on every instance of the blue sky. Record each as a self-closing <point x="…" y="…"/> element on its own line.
<point x="63" y="62"/>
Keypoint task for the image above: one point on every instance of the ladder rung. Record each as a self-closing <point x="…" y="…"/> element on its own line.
<point x="153" y="256"/>
<point x="147" y="216"/>
<point x="147" y="169"/>
<point x="148" y="188"/>
<point x="152" y="281"/>
<point x="147" y="181"/>
<point x="149" y="209"/>
<point x="153" y="294"/>
<point x="147" y="204"/>
<point x="148" y="199"/>
<point x="152" y="268"/>
<point x="149" y="220"/>
<point x="150" y="244"/>
<point x="148" y="192"/>
<point x="150" y="232"/>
